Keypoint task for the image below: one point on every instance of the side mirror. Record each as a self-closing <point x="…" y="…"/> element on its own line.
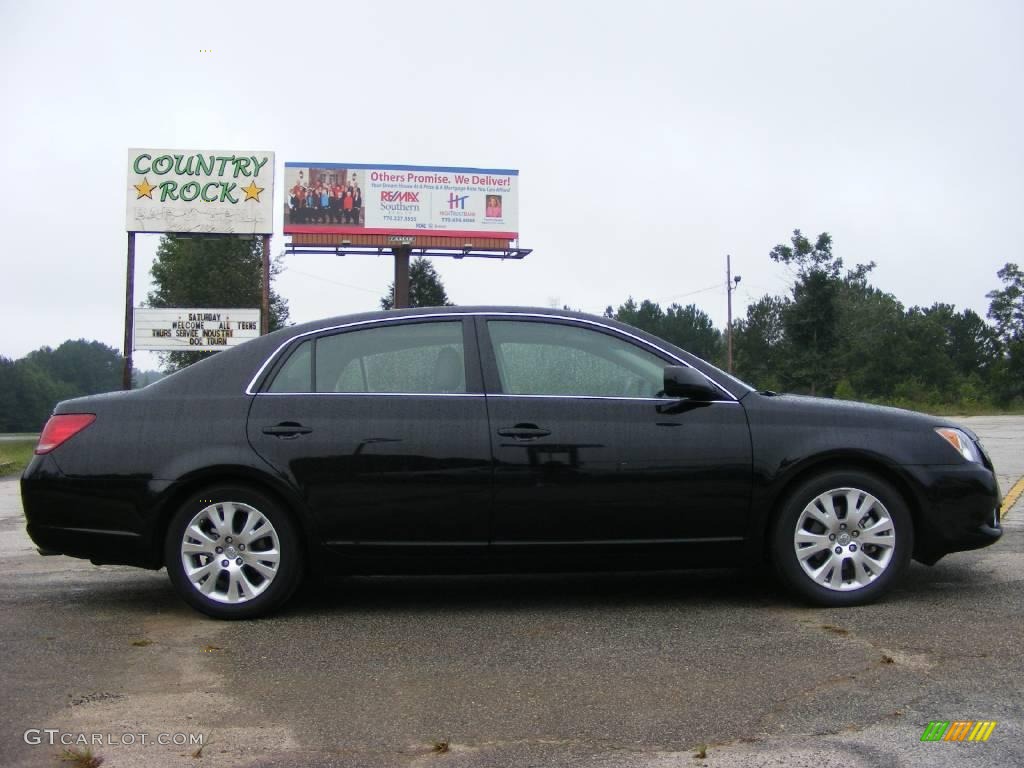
<point x="682" y="381"/>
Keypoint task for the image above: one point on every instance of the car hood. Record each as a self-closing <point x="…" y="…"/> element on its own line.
<point x="809" y="426"/>
<point x="849" y="411"/>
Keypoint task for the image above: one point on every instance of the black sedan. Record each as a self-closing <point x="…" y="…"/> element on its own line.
<point x="481" y="439"/>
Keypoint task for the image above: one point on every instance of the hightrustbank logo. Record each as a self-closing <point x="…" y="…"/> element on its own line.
<point x="958" y="730"/>
<point x="457" y="202"/>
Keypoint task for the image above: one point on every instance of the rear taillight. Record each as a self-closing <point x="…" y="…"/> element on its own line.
<point x="61" y="428"/>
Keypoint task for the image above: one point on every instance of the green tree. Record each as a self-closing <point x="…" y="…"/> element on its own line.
<point x="870" y="354"/>
<point x="35" y="394"/>
<point x="1006" y="308"/>
<point x="688" y="327"/>
<point x="87" y="367"/>
<point x="812" y="318"/>
<point x="933" y="373"/>
<point x="209" y="273"/>
<point x="8" y="395"/>
<point x="647" y="316"/>
<point x="425" y="287"/>
<point x="692" y="329"/>
<point x="760" y="346"/>
<point x="972" y="343"/>
<point x="967" y="343"/>
<point x="32" y="386"/>
<point x="1007" y="304"/>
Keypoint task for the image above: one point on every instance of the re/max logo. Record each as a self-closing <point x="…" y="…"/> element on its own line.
<point x="958" y="730"/>
<point x="390" y="196"/>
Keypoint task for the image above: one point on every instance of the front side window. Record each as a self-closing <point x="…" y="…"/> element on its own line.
<point x="553" y="359"/>
<point x="424" y="358"/>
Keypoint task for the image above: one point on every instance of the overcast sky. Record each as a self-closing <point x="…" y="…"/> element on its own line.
<point x="652" y="138"/>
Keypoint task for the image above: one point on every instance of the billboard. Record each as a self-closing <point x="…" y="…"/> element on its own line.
<point x="404" y="200"/>
<point x="200" y="191"/>
<point x="194" y="330"/>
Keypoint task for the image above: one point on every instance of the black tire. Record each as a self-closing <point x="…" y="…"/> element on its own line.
<point x="868" y="561"/>
<point x="233" y="505"/>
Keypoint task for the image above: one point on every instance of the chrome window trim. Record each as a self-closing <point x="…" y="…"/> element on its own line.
<point x="460" y="315"/>
<point x="609" y="397"/>
<point x="481" y="394"/>
<point x="373" y="394"/>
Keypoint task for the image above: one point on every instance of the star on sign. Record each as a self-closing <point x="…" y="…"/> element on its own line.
<point x="252" y="192"/>
<point x="145" y="189"/>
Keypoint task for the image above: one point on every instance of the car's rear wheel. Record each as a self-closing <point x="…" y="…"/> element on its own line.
<point x="232" y="553"/>
<point x="842" y="538"/>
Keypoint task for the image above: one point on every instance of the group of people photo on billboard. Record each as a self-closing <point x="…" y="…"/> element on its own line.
<point x="325" y="196"/>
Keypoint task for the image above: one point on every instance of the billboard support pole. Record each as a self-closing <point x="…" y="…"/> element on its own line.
<point x="265" y="304"/>
<point x="129" y="311"/>
<point x="401" y="298"/>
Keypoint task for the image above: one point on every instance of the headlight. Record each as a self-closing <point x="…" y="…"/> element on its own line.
<point x="961" y="443"/>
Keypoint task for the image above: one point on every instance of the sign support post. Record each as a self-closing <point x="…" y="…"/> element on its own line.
<point x="401" y="298"/>
<point x="129" y="311"/>
<point x="265" y="304"/>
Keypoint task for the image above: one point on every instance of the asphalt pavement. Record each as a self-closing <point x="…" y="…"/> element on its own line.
<point x="706" y="668"/>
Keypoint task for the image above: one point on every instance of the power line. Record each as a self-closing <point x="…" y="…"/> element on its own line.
<point x="690" y="293"/>
<point x="658" y="301"/>
<point x="333" y="282"/>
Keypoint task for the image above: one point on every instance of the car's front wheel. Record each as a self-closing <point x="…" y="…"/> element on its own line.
<point x="232" y="553"/>
<point x="842" y="538"/>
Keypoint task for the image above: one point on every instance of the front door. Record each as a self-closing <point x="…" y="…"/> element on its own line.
<point x="587" y="452"/>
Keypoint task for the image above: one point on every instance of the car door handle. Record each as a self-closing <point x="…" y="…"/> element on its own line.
<point x="524" y="432"/>
<point x="287" y="429"/>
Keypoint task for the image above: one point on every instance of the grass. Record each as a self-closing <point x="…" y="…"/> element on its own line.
<point x="15" y="455"/>
<point x="81" y="758"/>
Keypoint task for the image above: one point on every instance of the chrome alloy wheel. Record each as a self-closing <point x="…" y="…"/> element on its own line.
<point x="230" y="552"/>
<point x="844" y="539"/>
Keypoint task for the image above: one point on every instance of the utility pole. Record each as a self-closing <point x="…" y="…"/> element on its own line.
<point x="730" y="285"/>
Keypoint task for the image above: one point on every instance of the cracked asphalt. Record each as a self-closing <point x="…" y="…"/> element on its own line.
<point x="608" y="670"/>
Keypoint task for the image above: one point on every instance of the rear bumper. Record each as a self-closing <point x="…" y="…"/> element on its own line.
<point x="103" y="547"/>
<point x="958" y="510"/>
<point x="97" y="519"/>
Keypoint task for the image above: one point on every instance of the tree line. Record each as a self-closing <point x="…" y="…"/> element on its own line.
<point x="836" y="335"/>
<point x="31" y="386"/>
<point x="833" y="334"/>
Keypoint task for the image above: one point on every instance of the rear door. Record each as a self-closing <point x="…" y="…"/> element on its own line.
<point x="383" y="429"/>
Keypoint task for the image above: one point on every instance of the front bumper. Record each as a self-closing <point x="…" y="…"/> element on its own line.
<point x="958" y="510"/>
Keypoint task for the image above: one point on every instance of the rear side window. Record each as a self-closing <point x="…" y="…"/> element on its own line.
<point x="415" y="358"/>
<point x="297" y="374"/>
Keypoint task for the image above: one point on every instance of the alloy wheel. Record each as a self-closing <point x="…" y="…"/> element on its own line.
<point x="844" y="539"/>
<point x="230" y="552"/>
